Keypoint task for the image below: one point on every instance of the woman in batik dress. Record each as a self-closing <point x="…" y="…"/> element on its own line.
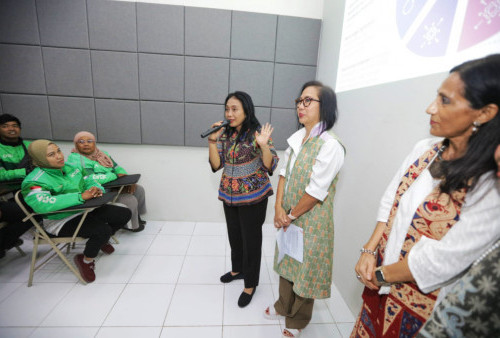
<point x="305" y="193"/>
<point x="440" y="212"/>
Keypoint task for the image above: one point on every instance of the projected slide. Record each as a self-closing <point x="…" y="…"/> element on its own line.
<point x="391" y="40"/>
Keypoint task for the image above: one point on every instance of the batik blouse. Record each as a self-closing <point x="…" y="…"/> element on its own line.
<point x="245" y="179"/>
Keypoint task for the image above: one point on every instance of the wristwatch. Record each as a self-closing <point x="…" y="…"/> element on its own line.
<point x="379" y="274"/>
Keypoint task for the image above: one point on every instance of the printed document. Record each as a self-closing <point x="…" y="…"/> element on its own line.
<point x="291" y="243"/>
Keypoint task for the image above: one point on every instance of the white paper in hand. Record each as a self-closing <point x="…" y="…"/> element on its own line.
<point x="291" y="243"/>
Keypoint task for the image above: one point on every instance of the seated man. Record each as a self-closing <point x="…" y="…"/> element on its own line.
<point x="15" y="164"/>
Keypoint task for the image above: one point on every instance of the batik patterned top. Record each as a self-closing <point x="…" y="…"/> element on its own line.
<point x="470" y="309"/>
<point x="245" y="179"/>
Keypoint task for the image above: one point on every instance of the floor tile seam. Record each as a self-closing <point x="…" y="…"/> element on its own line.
<point x="57" y="304"/>
<point x="177" y="280"/>
<point x="119" y="295"/>
<point x="13" y="290"/>
<point x="331" y="310"/>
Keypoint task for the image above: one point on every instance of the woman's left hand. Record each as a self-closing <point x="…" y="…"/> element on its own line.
<point x="263" y="137"/>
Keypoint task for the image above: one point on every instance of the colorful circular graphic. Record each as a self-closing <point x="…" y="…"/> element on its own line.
<point x="426" y="26"/>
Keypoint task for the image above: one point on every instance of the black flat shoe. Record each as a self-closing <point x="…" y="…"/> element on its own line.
<point x="139" y="229"/>
<point x="246" y="298"/>
<point x="227" y="278"/>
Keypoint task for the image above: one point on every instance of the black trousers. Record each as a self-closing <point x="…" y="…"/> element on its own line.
<point x="244" y="228"/>
<point x="98" y="227"/>
<point x="13" y="215"/>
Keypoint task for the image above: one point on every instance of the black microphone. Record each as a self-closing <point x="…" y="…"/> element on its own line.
<point x="214" y="129"/>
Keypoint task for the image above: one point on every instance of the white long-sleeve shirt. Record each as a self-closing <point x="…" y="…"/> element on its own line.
<point x="437" y="263"/>
<point x="328" y="162"/>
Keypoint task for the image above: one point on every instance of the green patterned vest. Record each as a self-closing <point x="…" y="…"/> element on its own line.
<point x="313" y="277"/>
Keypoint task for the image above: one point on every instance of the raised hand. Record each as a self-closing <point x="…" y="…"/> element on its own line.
<point x="263" y="137"/>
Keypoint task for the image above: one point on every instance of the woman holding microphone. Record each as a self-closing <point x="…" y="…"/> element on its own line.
<point x="246" y="153"/>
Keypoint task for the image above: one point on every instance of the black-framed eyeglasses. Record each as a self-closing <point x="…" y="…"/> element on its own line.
<point x="306" y="101"/>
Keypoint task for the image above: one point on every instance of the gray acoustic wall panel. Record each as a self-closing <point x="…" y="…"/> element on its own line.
<point x="63" y="23"/>
<point x="115" y="75"/>
<point x="160" y="28"/>
<point x="208" y="32"/>
<point x="162" y="123"/>
<point x="112" y="25"/>
<point x="253" y="36"/>
<point x="161" y="77"/>
<point x="67" y="71"/>
<point x="206" y="80"/>
<point x="298" y="40"/>
<point x="118" y="121"/>
<point x="288" y="80"/>
<point x="263" y="115"/>
<point x="157" y="73"/>
<point x="33" y="111"/>
<point x="255" y="78"/>
<point x="80" y="111"/>
<point x="18" y="22"/>
<point x="21" y="69"/>
<point x="285" y="124"/>
<point x="199" y="117"/>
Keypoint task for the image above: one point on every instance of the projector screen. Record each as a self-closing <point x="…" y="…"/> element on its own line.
<point x="390" y="40"/>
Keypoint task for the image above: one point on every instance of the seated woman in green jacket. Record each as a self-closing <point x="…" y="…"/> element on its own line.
<point x="100" y="167"/>
<point x="54" y="185"/>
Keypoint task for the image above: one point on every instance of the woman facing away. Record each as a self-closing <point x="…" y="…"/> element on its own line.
<point x="440" y="212"/>
<point x="304" y="198"/>
<point x="246" y="152"/>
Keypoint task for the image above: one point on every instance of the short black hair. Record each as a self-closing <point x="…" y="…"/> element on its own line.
<point x="328" y="111"/>
<point x="4" y="118"/>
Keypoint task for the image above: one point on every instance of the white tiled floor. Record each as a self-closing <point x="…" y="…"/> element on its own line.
<point x="162" y="282"/>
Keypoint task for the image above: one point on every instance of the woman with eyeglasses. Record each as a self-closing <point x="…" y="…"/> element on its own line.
<point x="304" y="198"/>
<point x="245" y="151"/>
<point x="99" y="166"/>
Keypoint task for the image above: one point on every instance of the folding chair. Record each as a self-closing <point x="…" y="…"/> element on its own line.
<point x="57" y="243"/>
<point x="122" y="182"/>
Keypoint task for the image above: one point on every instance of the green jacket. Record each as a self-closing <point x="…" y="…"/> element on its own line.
<point x="95" y="171"/>
<point x="47" y="190"/>
<point x="13" y="161"/>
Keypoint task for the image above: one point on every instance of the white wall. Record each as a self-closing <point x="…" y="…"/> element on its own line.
<point x="378" y="125"/>
<point x="180" y="185"/>
<point x="304" y="8"/>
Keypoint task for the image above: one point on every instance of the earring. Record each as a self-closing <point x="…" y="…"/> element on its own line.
<point x="475" y="127"/>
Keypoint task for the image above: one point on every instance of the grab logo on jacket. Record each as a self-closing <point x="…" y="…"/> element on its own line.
<point x="74" y="173"/>
<point x="36" y="189"/>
